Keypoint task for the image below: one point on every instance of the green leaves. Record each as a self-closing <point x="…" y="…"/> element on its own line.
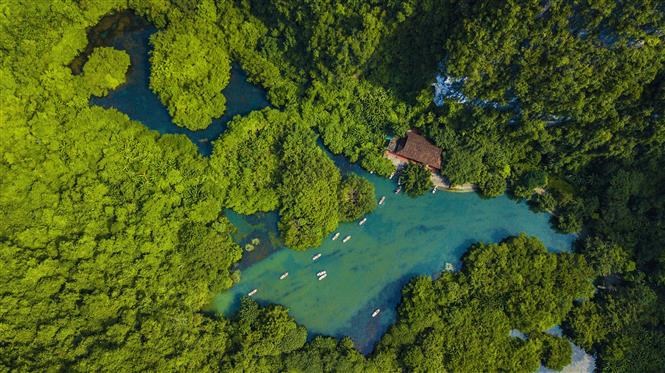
<point x="105" y="70"/>
<point x="190" y="67"/>
<point x="308" y="192"/>
<point x="416" y="179"/>
<point x="462" y="321"/>
<point x="246" y="161"/>
<point x="356" y="198"/>
<point x="112" y="239"/>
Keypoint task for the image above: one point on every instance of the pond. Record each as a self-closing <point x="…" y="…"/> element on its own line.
<point x="129" y="32"/>
<point x="402" y="238"/>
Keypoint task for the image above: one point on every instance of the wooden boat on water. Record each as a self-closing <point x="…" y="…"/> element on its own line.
<point x="376" y="312"/>
<point x="336" y="236"/>
<point x="284" y="275"/>
<point x="317" y="256"/>
<point x="382" y="200"/>
<point x="362" y="221"/>
<point x="347" y="238"/>
<point x="252" y="292"/>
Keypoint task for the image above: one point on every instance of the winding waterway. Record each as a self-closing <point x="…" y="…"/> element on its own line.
<point x="129" y="32"/>
<point x="403" y="238"/>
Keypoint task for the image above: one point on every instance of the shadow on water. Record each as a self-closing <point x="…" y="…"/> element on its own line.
<point x="110" y="27"/>
<point x="367" y="330"/>
<point x="130" y="32"/>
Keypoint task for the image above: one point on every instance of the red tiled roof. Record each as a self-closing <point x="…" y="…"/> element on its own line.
<point x="417" y="148"/>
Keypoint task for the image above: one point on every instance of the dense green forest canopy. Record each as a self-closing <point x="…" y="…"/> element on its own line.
<point x="113" y="238"/>
<point x="356" y="198"/>
<point x="416" y="179"/>
<point x="190" y="70"/>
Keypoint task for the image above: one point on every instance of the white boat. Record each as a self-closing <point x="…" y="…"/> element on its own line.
<point x="450" y="267"/>
<point x="252" y="292"/>
<point x="362" y="221"/>
<point x="336" y="236"/>
<point x="391" y="176"/>
<point x="319" y="274"/>
<point x="376" y="312"/>
<point x="323" y="276"/>
<point x="346" y="239"/>
<point x="399" y="180"/>
<point x="399" y="189"/>
<point x="284" y="275"/>
<point x="382" y="200"/>
<point x="433" y="190"/>
<point x="317" y="256"/>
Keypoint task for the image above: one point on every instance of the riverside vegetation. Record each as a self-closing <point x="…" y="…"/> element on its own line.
<point x="113" y="238"/>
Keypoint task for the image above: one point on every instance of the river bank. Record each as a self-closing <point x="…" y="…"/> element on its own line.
<point x="437" y="179"/>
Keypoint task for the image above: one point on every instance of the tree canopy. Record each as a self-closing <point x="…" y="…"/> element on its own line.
<point x="356" y="197"/>
<point x="416" y="179"/>
<point x="113" y="238"/>
<point x="190" y="69"/>
<point x="105" y="70"/>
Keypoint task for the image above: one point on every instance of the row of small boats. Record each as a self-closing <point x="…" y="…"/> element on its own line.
<point x="323" y="274"/>
<point x="320" y="275"/>
<point x="346" y="239"/>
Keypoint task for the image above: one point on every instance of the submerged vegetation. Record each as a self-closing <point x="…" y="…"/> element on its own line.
<point x="113" y="238"/>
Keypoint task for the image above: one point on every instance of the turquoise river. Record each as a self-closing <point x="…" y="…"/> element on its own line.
<point x="403" y="238"/>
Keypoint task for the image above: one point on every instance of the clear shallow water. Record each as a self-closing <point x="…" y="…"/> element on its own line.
<point x="135" y="98"/>
<point x="401" y="239"/>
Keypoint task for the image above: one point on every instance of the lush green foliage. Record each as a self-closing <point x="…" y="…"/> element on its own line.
<point x="191" y="67"/>
<point x="462" y="321"/>
<point x="105" y="70"/>
<point x="102" y="251"/>
<point x="556" y="352"/>
<point x="113" y="239"/>
<point x="353" y="118"/>
<point x="308" y="192"/>
<point x="356" y="197"/>
<point x="246" y="161"/>
<point x="624" y="216"/>
<point x="416" y="179"/>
